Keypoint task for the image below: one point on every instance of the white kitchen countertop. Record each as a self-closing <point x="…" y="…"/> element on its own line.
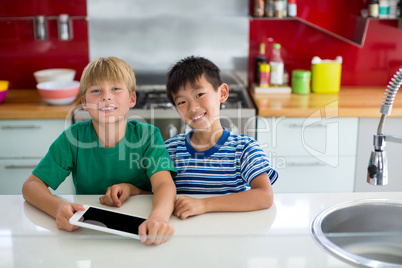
<point x="276" y="237"/>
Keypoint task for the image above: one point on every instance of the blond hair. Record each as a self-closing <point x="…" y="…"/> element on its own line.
<point x="107" y="69"/>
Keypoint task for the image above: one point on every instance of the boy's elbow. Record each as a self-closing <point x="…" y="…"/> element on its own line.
<point x="26" y="188"/>
<point x="29" y="185"/>
<point x="267" y="201"/>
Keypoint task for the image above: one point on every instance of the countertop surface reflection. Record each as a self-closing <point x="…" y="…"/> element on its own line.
<point x="275" y="237"/>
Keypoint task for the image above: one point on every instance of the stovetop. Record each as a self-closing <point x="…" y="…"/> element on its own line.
<point x="151" y="92"/>
<point x="157" y="99"/>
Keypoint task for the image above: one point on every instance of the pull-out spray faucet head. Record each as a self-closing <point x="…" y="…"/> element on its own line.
<point x="378" y="165"/>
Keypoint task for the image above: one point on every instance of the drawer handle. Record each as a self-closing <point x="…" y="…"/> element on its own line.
<point x="301" y="125"/>
<point x="21" y="127"/>
<point x="20" y="167"/>
<point x="295" y="164"/>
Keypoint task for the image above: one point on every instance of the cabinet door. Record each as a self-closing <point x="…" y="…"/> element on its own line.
<point x="28" y="138"/>
<point x="310" y="154"/>
<point x="14" y="172"/>
<point x="308" y="175"/>
<point x="319" y="137"/>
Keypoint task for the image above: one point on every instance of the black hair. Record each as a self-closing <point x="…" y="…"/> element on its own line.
<point x="190" y="70"/>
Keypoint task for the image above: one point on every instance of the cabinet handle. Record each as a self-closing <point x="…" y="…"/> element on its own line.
<point x="295" y="164"/>
<point x="21" y="127"/>
<point x="300" y="125"/>
<point x="20" y="167"/>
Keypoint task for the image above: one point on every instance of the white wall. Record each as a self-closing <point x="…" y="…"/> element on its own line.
<point x="153" y="35"/>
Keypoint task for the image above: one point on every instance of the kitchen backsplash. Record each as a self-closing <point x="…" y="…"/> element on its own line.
<point x="372" y="64"/>
<point x="21" y="54"/>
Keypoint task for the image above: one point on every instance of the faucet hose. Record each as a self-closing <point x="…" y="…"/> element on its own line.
<point x="388" y="101"/>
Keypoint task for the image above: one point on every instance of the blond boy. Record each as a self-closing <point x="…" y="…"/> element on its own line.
<point x="107" y="155"/>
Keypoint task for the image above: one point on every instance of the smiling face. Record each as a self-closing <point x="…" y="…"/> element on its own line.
<point x="108" y="102"/>
<point x="199" y="104"/>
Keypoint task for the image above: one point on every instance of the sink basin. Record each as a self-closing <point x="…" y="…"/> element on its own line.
<point x="363" y="233"/>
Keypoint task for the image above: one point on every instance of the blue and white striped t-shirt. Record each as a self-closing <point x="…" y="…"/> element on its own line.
<point x="228" y="167"/>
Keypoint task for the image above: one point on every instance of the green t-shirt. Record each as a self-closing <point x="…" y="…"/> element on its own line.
<point x="94" y="168"/>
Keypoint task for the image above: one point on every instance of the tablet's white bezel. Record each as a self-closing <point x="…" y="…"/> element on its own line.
<point x="74" y="220"/>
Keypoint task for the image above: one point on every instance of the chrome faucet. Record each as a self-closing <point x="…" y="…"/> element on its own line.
<point x="378" y="165"/>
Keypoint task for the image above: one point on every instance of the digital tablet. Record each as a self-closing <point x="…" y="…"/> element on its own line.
<point x="108" y="221"/>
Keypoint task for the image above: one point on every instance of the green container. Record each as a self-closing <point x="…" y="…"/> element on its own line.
<point x="301" y="81"/>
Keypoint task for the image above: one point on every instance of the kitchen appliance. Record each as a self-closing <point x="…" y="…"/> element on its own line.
<point x="238" y="113"/>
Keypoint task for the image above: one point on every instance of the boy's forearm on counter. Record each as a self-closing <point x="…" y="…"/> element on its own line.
<point x="250" y="200"/>
<point x="164" y="192"/>
<point x="38" y="195"/>
<point x="163" y="203"/>
<point x="134" y="190"/>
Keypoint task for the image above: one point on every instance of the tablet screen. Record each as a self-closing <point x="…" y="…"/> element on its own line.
<point x="112" y="220"/>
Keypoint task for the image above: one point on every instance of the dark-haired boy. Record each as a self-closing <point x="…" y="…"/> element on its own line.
<point x="210" y="159"/>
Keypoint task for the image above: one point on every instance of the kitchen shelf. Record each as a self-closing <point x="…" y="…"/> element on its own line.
<point x="358" y="41"/>
<point x="272" y="18"/>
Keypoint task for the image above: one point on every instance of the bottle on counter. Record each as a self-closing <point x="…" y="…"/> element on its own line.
<point x="292" y="8"/>
<point x="264" y="74"/>
<point x="277" y="67"/>
<point x="261" y="58"/>
<point x="285" y="78"/>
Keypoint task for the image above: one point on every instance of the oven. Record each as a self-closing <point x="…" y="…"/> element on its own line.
<point x="238" y="113"/>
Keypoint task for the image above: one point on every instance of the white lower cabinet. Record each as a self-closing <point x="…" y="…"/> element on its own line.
<point x="310" y="154"/>
<point x="23" y="144"/>
<point x="28" y="138"/>
<point x="309" y="175"/>
<point x="14" y="173"/>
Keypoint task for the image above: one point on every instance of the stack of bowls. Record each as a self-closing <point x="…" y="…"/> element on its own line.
<point x="56" y="74"/>
<point x="57" y="86"/>
<point x="3" y="90"/>
<point x="59" y="92"/>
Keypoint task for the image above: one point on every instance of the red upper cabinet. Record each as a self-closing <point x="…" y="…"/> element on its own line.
<point x="23" y="8"/>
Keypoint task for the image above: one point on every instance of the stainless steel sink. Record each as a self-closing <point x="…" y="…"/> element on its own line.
<point x="363" y="233"/>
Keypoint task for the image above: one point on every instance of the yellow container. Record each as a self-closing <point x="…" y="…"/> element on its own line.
<point x="3" y="85"/>
<point x="326" y="75"/>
